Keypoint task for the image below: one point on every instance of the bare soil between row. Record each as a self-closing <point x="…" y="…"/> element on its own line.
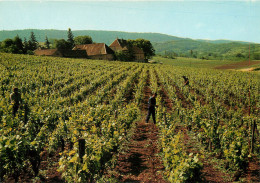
<point x="237" y="65"/>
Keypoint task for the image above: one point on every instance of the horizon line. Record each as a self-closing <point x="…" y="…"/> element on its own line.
<point x="196" y="39"/>
<point x="128" y="1"/>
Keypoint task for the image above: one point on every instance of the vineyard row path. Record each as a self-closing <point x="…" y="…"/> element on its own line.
<point x="209" y="173"/>
<point x="140" y="162"/>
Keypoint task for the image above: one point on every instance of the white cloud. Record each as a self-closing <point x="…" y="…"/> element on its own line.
<point x="199" y="25"/>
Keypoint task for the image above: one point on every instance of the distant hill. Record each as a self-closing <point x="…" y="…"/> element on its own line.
<point x="163" y="43"/>
<point x="208" y="50"/>
<point x="98" y="36"/>
<point x="220" y="41"/>
<point x="181" y="46"/>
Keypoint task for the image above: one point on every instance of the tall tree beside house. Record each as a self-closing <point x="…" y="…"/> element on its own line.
<point x="32" y="43"/>
<point x="83" y="40"/>
<point x="62" y="44"/>
<point x="47" y="43"/>
<point x="145" y="45"/>
<point x="18" y="44"/>
<point x="7" y="46"/>
<point x="25" y="45"/>
<point x="70" y="38"/>
<point x="124" y="56"/>
<point x="12" y="45"/>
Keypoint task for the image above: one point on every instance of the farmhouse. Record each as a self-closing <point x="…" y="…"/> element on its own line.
<point x="119" y="45"/>
<point x="138" y="53"/>
<point x="97" y="51"/>
<point x="61" y="53"/>
<point x="122" y="45"/>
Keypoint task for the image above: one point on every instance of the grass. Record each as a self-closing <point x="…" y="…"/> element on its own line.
<point x="192" y="62"/>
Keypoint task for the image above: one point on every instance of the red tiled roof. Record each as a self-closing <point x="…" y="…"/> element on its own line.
<point x="119" y="43"/>
<point x="95" y="49"/>
<point x="46" y="52"/>
<point x="74" y="53"/>
<point x="123" y="45"/>
<point x="62" y="53"/>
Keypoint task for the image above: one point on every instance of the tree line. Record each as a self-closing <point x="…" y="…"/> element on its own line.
<point x="208" y="51"/>
<point x="17" y="46"/>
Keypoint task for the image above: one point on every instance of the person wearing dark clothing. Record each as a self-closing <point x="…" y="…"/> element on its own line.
<point x="186" y="81"/>
<point x="151" y="108"/>
<point x="16" y="100"/>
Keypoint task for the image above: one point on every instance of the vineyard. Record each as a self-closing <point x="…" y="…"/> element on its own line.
<point x="84" y="121"/>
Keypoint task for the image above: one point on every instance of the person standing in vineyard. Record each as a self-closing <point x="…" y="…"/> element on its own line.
<point x="16" y="100"/>
<point x="151" y="108"/>
<point x="186" y="81"/>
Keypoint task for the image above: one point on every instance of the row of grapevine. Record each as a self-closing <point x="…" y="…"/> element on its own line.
<point x="72" y="103"/>
<point x="180" y="166"/>
<point x="224" y="132"/>
<point x="53" y="99"/>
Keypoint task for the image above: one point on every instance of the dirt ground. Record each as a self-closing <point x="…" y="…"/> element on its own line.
<point x="140" y="161"/>
<point x="238" y="65"/>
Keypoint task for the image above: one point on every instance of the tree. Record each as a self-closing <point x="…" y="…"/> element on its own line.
<point x="7" y="43"/>
<point x="83" y="40"/>
<point x="32" y="43"/>
<point x="145" y="45"/>
<point x="8" y="46"/>
<point x="70" y="38"/>
<point x="25" y="45"/>
<point x="47" y="43"/>
<point x="12" y="45"/>
<point x="256" y="56"/>
<point x="239" y="55"/>
<point x="18" y="44"/>
<point x="123" y="56"/>
<point x="62" y="44"/>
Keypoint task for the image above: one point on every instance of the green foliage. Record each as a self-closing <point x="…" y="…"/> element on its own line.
<point x="7" y="46"/>
<point x="83" y="40"/>
<point x="145" y="45"/>
<point x="12" y="45"/>
<point x="98" y="36"/>
<point x="32" y="43"/>
<point x="47" y="43"/>
<point x="47" y="122"/>
<point x="195" y="62"/>
<point x="61" y="44"/>
<point x="180" y="167"/>
<point x="18" y="44"/>
<point x="124" y="56"/>
<point x="219" y="130"/>
<point x="128" y="55"/>
<point x="25" y="45"/>
<point x="164" y="45"/>
<point x="70" y="39"/>
<point x="256" y="56"/>
<point x="207" y="50"/>
<point x="99" y="146"/>
<point x="239" y="55"/>
<point x="71" y="99"/>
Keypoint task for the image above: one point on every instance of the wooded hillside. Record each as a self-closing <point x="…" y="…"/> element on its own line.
<point x="165" y="45"/>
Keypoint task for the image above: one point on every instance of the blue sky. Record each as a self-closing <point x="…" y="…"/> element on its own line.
<point x="233" y="20"/>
